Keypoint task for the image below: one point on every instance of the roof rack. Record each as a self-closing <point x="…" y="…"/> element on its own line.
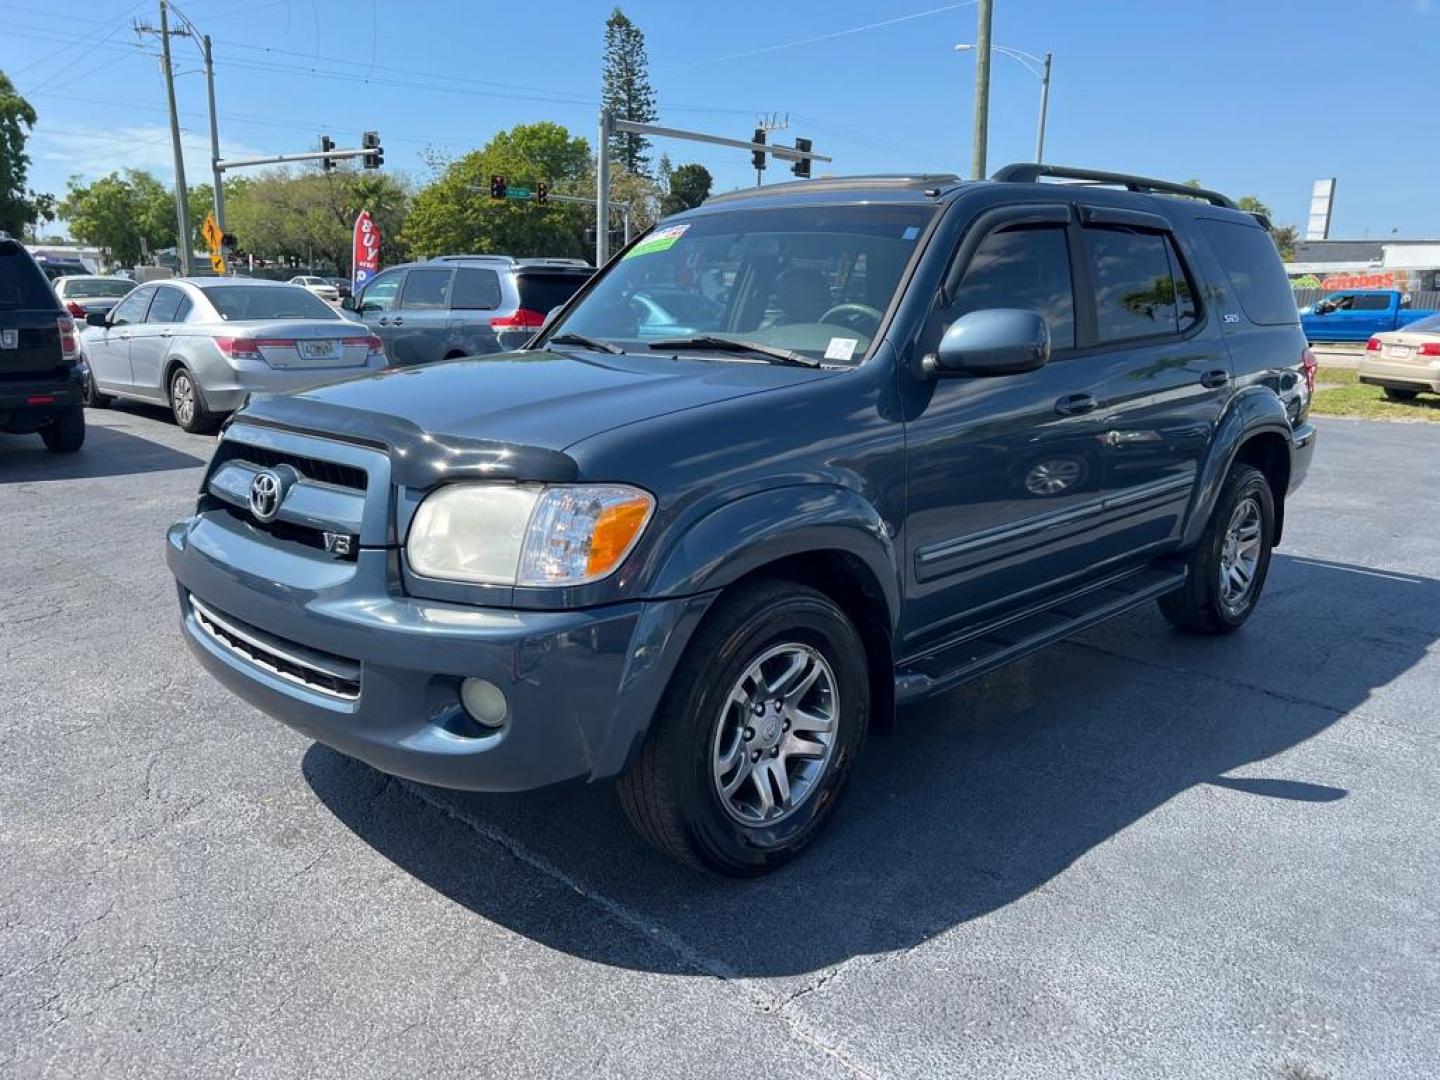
<point x="905" y="181"/>
<point x="1031" y="173"/>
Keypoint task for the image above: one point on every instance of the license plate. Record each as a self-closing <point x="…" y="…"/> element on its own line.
<point x="319" y="350"/>
<point x="9" y="339"/>
<point x="1397" y="352"/>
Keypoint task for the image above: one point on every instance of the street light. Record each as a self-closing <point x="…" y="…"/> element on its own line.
<point x="1039" y="66"/>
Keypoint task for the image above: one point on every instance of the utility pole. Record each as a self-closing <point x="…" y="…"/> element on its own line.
<point x="182" y="195"/>
<point x="214" y="138"/>
<point x="1044" y="105"/>
<point x="602" y="191"/>
<point x="982" y="88"/>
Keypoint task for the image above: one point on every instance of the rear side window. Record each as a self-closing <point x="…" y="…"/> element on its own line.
<point x="1372" y="302"/>
<point x="426" y="290"/>
<point x="22" y="285"/>
<point x="475" y="290"/>
<point x="1025" y="267"/>
<point x="165" y="306"/>
<point x="1135" y="290"/>
<point x="541" y="292"/>
<point x="1256" y="274"/>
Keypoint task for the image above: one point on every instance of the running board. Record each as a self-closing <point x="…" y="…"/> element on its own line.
<point x="999" y="641"/>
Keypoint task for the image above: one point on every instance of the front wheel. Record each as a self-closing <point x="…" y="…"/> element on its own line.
<point x="89" y="393"/>
<point x="1227" y="567"/>
<point x="757" y="733"/>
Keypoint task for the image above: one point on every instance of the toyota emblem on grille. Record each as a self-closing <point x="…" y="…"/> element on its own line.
<point x="266" y="492"/>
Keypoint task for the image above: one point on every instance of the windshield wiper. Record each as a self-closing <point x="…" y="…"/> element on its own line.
<point x="585" y="343"/>
<point x="770" y="352"/>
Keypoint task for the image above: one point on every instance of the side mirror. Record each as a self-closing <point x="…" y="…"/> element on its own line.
<point x="97" y="318"/>
<point x="348" y="303"/>
<point x="998" y="341"/>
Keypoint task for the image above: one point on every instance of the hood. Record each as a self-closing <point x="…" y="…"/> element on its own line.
<point x="513" y="413"/>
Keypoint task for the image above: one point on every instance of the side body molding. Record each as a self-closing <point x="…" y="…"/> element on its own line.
<point x="1250" y="412"/>
<point x="744" y="535"/>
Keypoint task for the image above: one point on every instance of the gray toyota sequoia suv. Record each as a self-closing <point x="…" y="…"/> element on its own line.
<point x="793" y="459"/>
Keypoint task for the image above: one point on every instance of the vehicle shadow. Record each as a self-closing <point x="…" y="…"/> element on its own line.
<point x="979" y="798"/>
<point x="108" y="451"/>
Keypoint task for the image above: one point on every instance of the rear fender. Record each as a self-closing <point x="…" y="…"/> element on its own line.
<point x="1252" y="411"/>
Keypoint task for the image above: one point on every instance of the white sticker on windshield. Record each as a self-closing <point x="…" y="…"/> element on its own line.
<point x="840" y="348"/>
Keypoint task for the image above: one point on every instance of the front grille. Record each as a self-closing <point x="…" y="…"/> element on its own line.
<point x="295" y="534"/>
<point x="325" y="673"/>
<point x="326" y="472"/>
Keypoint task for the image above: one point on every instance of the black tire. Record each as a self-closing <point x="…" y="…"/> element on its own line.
<point x="196" y="418"/>
<point x="670" y="794"/>
<point x="1400" y="395"/>
<point x="92" y="397"/>
<point x="1200" y="606"/>
<point x="66" y="433"/>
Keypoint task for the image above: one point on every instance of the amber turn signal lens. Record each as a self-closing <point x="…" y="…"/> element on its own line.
<point x="615" y="530"/>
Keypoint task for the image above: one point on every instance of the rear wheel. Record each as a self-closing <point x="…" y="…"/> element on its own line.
<point x="188" y="406"/>
<point x="66" y="433"/>
<point x="1227" y="567"/>
<point x="757" y="733"/>
<point x="1401" y="395"/>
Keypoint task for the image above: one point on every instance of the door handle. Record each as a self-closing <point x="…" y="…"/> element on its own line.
<point x="383" y="322"/>
<point x="1075" y="404"/>
<point x="1214" y="379"/>
<point x="397" y="322"/>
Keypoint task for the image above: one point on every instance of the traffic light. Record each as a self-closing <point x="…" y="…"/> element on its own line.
<point x="497" y="186"/>
<point x="542" y="192"/>
<point x="326" y="145"/>
<point x="229" y="241"/>
<point x="757" y="157"/>
<point x="801" y="168"/>
<point x="374" y="152"/>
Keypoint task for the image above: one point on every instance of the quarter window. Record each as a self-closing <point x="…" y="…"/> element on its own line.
<point x="1135" y="291"/>
<point x="1022" y="267"/>
<point x="475" y="290"/>
<point x="1253" y="266"/>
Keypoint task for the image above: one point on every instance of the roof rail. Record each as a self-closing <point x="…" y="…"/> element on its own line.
<point x="507" y="259"/>
<point x="908" y="181"/>
<point x="1031" y="173"/>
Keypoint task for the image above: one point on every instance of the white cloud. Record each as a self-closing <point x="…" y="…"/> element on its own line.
<point x="93" y="151"/>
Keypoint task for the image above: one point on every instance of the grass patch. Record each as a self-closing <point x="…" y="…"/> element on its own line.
<point x="1369" y="402"/>
<point x="1338" y="375"/>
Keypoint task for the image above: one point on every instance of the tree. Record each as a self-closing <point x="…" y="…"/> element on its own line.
<point x="125" y="213"/>
<point x="454" y="213"/>
<point x="689" y="187"/>
<point x="626" y="91"/>
<point x="19" y="206"/>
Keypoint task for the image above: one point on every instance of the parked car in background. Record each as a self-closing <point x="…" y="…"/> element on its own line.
<point x="342" y="286"/>
<point x="1406" y="363"/>
<point x="41" y="376"/>
<point x="708" y="561"/>
<point x="464" y="305"/>
<point x="58" y="268"/>
<point x="202" y="345"/>
<point x="1356" y="315"/>
<point x="320" y="286"/>
<point x="88" y="293"/>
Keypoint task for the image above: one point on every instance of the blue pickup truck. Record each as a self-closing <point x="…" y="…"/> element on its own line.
<point x="1357" y="315"/>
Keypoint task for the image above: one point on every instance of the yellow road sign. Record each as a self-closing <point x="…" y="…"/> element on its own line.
<point x="217" y="263"/>
<point x="211" y="231"/>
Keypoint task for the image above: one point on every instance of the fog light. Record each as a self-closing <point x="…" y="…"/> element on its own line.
<point x="484" y="701"/>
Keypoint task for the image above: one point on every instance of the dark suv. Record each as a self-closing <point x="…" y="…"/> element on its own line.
<point x="463" y="305"/>
<point x="41" y="377"/>
<point x="794" y="458"/>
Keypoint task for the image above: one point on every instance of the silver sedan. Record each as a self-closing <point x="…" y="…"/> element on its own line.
<point x="201" y="345"/>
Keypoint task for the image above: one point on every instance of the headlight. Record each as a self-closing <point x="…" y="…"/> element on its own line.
<point x="526" y="534"/>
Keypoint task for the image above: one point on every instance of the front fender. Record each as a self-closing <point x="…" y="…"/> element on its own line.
<point x="746" y="534"/>
<point x="1250" y="412"/>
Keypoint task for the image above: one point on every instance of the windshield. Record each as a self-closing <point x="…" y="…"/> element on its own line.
<point x="814" y="280"/>
<point x="252" y="303"/>
<point x="100" y="287"/>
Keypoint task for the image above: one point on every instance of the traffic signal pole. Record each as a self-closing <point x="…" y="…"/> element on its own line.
<point x="214" y="136"/>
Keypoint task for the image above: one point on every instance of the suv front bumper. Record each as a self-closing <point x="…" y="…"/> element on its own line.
<point x="581" y="686"/>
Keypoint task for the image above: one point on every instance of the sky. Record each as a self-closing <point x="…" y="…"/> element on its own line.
<point x="1260" y="97"/>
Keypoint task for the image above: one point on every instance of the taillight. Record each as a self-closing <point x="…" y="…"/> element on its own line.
<point x="75" y="308"/>
<point x="523" y="319"/>
<point x="239" y="348"/>
<point x="1430" y="348"/>
<point x="1308" y="364"/>
<point x="1372" y="345"/>
<point x="373" y="345"/>
<point x="69" y="342"/>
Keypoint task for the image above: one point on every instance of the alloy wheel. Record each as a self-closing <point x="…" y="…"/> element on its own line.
<point x="182" y="398"/>
<point x="1240" y="552"/>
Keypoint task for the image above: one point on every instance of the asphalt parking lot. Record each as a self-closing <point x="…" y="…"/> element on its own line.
<point x="1132" y="855"/>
